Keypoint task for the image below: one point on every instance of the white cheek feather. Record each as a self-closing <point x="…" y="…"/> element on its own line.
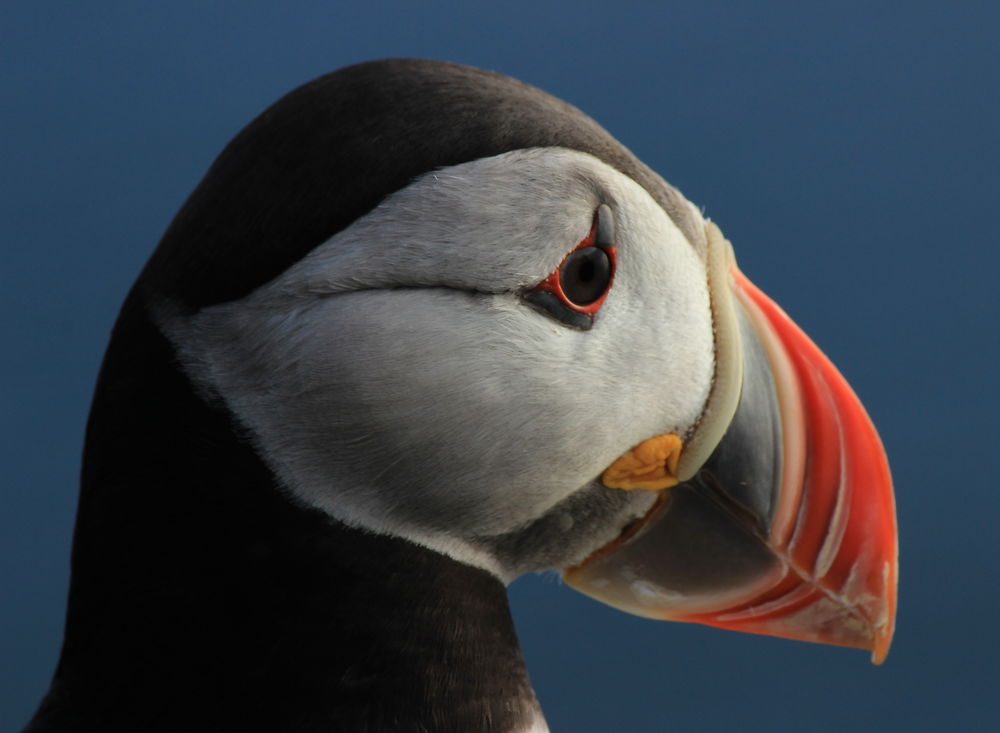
<point x="395" y="379"/>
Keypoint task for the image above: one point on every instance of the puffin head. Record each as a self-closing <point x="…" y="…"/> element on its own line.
<point x="440" y="305"/>
<point x="471" y="319"/>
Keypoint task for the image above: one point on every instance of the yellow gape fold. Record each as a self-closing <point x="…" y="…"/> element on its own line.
<point x="651" y="465"/>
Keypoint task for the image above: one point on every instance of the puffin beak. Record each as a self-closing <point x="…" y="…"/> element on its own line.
<point x="780" y="519"/>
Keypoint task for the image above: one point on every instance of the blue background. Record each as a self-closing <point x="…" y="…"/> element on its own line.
<point x="849" y="150"/>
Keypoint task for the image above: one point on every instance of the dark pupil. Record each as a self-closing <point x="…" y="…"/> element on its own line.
<point x="585" y="275"/>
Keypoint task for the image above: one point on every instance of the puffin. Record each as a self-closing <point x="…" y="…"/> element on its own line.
<point x="422" y="329"/>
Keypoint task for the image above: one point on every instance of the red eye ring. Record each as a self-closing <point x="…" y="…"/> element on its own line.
<point x="597" y="268"/>
<point x="555" y="284"/>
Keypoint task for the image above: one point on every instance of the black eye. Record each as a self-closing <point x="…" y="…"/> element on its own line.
<point x="585" y="275"/>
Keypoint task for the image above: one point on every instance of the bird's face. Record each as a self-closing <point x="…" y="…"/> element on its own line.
<point x="448" y="369"/>
<point x="398" y="377"/>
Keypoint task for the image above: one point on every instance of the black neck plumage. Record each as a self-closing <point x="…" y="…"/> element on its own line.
<point x="202" y="598"/>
